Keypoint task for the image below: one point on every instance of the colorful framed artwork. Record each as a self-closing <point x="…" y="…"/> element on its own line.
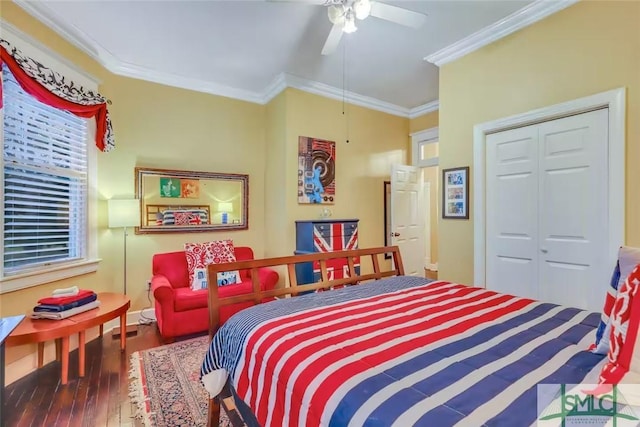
<point x="170" y="187"/>
<point x="316" y="171"/>
<point x="455" y="193"/>
<point x="190" y="188"/>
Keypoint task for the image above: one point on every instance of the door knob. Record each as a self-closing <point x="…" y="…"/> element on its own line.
<point x="395" y="234"/>
<point x="544" y="250"/>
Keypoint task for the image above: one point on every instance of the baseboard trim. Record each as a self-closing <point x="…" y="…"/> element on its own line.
<point x="133" y="318"/>
<point x="29" y="363"/>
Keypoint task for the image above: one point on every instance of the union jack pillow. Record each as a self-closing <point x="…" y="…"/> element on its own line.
<point x="183" y="217"/>
<point x="601" y="345"/>
<point x="200" y="255"/>
<point x="628" y="258"/>
<point x="625" y="323"/>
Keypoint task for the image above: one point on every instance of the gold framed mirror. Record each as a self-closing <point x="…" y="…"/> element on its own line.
<point x="184" y="201"/>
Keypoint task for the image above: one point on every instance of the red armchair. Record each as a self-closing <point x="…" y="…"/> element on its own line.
<point x="182" y="311"/>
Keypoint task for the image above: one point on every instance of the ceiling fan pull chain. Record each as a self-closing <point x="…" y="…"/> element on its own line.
<point x="344" y="89"/>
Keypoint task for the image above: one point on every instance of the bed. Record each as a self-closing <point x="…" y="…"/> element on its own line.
<point x="176" y="215"/>
<point x="394" y="350"/>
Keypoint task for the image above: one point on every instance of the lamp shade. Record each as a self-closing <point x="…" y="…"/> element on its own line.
<point x="336" y="14"/>
<point x="124" y="213"/>
<point x="362" y="8"/>
<point x="350" y="23"/>
<point x="225" y="207"/>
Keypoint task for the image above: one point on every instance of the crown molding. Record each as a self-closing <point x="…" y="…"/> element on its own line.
<point x="274" y="88"/>
<point x="68" y="32"/>
<point x="101" y="55"/>
<point x="7" y="28"/>
<point x="284" y="80"/>
<point x="198" y="85"/>
<point x="424" y="109"/>
<point x="518" y="20"/>
<point x="338" y="94"/>
<point x="105" y="58"/>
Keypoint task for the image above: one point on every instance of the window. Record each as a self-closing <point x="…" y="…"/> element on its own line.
<point x="45" y="182"/>
<point x="425" y="148"/>
<point x="428" y="149"/>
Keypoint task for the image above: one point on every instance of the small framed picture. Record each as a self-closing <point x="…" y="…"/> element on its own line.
<point x="455" y="193"/>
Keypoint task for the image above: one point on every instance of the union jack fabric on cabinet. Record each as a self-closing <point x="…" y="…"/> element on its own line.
<point x="334" y="237"/>
<point x="401" y="351"/>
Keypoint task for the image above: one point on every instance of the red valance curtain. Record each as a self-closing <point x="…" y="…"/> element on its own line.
<point x="53" y="89"/>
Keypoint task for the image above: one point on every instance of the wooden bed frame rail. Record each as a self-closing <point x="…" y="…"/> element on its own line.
<point x="257" y="295"/>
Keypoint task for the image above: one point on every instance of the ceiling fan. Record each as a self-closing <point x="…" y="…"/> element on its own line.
<point x="343" y="15"/>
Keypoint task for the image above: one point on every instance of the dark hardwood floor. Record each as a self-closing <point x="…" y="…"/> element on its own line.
<point x="101" y="398"/>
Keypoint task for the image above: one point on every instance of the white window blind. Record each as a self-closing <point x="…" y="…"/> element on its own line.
<point x="45" y="183"/>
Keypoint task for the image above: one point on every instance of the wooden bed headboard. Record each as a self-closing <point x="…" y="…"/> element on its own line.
<point x="294" y="288"/>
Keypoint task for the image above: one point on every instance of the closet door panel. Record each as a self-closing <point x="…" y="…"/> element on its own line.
<point x="512" y="212"/>
<point x="572" y="218"/>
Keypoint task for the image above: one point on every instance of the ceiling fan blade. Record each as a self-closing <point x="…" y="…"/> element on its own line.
<point x="397" y="14"/>
<point x="314" y="2"/>
<point x="332" y="40"/>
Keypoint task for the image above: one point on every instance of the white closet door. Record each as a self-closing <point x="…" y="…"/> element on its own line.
<point x="547" y="197"/>
<point x="573" y="209"/>
<point x="512" y="217"/>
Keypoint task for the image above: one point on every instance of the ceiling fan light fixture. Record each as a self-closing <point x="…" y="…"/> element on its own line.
<point x="336" y="14"/>
<point x="349" y="23"/>
<point x="362" y="8"/>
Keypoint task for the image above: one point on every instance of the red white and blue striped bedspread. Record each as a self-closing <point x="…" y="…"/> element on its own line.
<point x="401" y="351"/>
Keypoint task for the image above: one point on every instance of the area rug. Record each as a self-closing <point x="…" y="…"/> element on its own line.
<point x="164" y="384"/>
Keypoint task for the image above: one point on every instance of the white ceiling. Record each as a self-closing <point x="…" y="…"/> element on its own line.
<point x="246" y="49"/>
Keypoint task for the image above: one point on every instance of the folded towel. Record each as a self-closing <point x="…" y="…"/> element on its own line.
<point x="64" y="314"/>
<point x="83" y="293"/>
<point x="64" y="307"/>
<point x="65" y="292"/>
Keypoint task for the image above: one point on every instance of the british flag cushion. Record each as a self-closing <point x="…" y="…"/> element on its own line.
<point x="628" y="258"/>
<point x="601" y="344"/>
<point x="624" y="354"/>
<point x="182" y="217"/>
<point x="200" y="255"/>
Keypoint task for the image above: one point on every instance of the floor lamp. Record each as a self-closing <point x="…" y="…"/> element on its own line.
<point x="124" y="213"/>
<point x="225" y="208"/>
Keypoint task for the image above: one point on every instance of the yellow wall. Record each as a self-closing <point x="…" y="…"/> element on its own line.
<point x="590" y="47"/>
<point x="162" y="127"/>
<point x="432" y="176"/>
<point x="276" y="175"/>
<point x="165" y="127"/>
<point x="426" y="121"/>
<point x="376" y="140"/>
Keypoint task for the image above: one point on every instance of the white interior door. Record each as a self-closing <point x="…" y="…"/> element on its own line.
<point x="407" y="217"/>
<point x="547" y="210"/>
<point x="573" y="209"/>
<point x="426" y="194"/>
<point x="512" y="217"/>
